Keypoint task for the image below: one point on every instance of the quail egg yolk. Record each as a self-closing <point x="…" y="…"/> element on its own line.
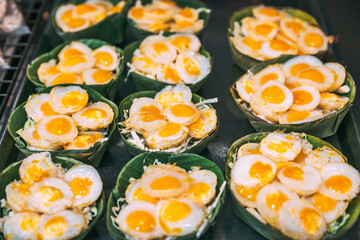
<point x="102" y="16"/>
<point x="186" y="12"/>
<point x="29" y="223"/>
<point x="181" y="42"/>
<point x="251" y="43"/>
<point x="64" y="78"/>
<point x="94" y="113"/>
<point x="182" y="110"/>
<point x="311" y="219"/>
<point x="249" y="87"/>
<point x="279" y="45"/>
<point x="141" y="221"/>
<point x="166" y="98"/>
<point x="294" y="26"/>
<point x="280" y="147"/>
<point x="338" y="184"/>
<point x="137" y="13"/>
<point x="116" y="9"/>
<point x="75" y="99"/>
<point x="150" y="116"/>
<point x="176" y="211"/>
<point x="75" y="22"/>
<point x="86" y="140"/>
<point x="52" y="70"/>
<point x="191" y="67"/>
<point x="184" y="24"/>
<point x="50" y="194"/>
<point x="149" y="63"/>
<point x="22" y="188"/>
<point x="169" y="130"/>
<point x="302" y="97"/>
<point x="247" y="193"/>
<point x="261" y="171"/>
<point x="150" y="108"/>
<point x="275" y="200"/>
<point x="165" y="183"/>
<point x="263" y="29"/>
<point x="296" y="68"/>
<point x="47" y="109"/>
<point x="295" y="116"/>
<point x="323" y="203"/>
<point x="313" y="75"/>
<point x="103" y="58"/>
<point x="55" y="227"/>
<point x="80" y="186"/>
<point x="293" y="172"/>
<point x="84" y="8"/>
<point x="160" y="47"/>
<point x="268" y="77"/>
<point x="101" y="76"/>
<point x="34" y="173"/>
<point x="72" y="52"/>
<point x="139" y="195"/>
<point x="273" y="94"/>
<point x="67" y="16"/>
<point x="198" y="190"/>
<point x="171" y="74"/>
<point x="314" y="40"/>
<point x="271" y="12"/>
<point x="73" y="60"/>
<point x="58" y="126"/>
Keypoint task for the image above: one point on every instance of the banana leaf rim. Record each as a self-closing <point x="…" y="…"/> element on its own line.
<point x="349" y="81"/>
<point x="354" y="204"/>
<point x="195" y="99"/>
<point x="146" y="159"/>
<point x="63" y="161"/>
<point x="22" y="145"/>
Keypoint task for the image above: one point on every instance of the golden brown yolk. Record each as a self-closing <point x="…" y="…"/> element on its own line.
<point x="64" y="78"/>
<point x="268" y="77"/>
<point x="251" y="43"/>
<point x="103" y="58"/>
<point x="47" y="110"/>
<point x="275" y="200"/>
<point x="72" y="52"/>
<point x="171" y="74"/>
<point x="273" y="94"/>
<point x="86" y="140"/>
<point x="150" y="116"/>
<point x="323" y="203"/>
<point x="84" y="8"/>
<point x="75" y="22"/>
<point x="313" y="40"/>
<point x="102" y="76"/>
<point x="294" y="26"/>
<point x="182" y="110"/>
<point x="29" y="223"/>
<point x="81" y="186"/>
<point x="262" y="171"/>
<point x="74" y="60"/>
<point x="296" y="68"/>
<point x="139" y="195"/>
<point x="247" y="193"/>
<point x="311" y="219"/>
<point x="176" y="211"/>
<point x="263" y="29"/>
<point x="137" y="13"/>
<point x="186" y="12"/>
<point x="55" y="227"/>
<point x="184" y="24"/>
<point x="67" y="16"/>
<point x="75" y="99"/>
<point x="312" y="75"/>
<point x="295" y="116"/>
<point x="198" y="190"/>
<point x="279" y="45"/>
<point x="300" y="157"/>
<point x="271" y="12"/>
<point x="50" y="194"/>
<point x="191" y="66"/>
<point x="182" y="42"/>
<point x="58" y="126"/>
<point x="159" y="48"/>
<point x="36" y="135"/>
<point x="94" y="113"/>
<point x="293" y="172"/>
<point x="338" y="184"/>
<point x="141" y="221"/>
<point x="302" y="97"/>
<point x="165" y="183"/>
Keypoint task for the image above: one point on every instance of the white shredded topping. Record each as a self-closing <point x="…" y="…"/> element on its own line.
<point x="207" y="101"/>
<point x="343" y="89"/>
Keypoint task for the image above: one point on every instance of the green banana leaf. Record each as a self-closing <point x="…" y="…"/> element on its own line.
<point x="265" y="229"/>
<point x="111" y="29"/>
<point x="140" y="33"/>
<point x="134" y="150"/>
<point x="324" y="127"/>
<point x="107" y="90"/>
<point x="245" y="62"/>
<point x="91" y="156"/>
<point x="135" y="168"/>
<point x="143" y="83"/>
<point x="11" y="173"/>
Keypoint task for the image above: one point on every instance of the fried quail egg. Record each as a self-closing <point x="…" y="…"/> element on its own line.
<point x="185" y="42"/>
<point x="339" y="73"/>
<point x="134" y="193"/>
<point x="253" y="170"/>
<point x="85" y="183"/>
<point x="278" y="46"/>
<point x="75" y="48"/>
<point x="169" y="74"/>
<point x="302" y="179"/>
<point x="38" y="106"/>
<point x="332" y="101"/>
<point x="68" y="100"/>
<point x="298" y="117"/>
<point x="281" y="147"/>
<point x="37" y="166"/>
<point x="148" y="122"/>
<point x="139" y="220"/>
<point x="292" y="27"/>
<point x="306" y="98"/>
<point x="165" y="181"/>
<point x="137" y="14"/>
<point x="95" y="76"/>
<point x="245" y="87"/>
<point x="67" y="22"/>
<point x="84" y="140"/>
<point x="145" y="104"/>
<point x="184" y="113"/>
<point x="260" y="30"/>
<point x="272" y="72"/>
<point x="248" y="148"/>
<point x="33" y="139"/>
<point x="160" y="51"/>
<point x="76" y="64"/>
<point x="117" y="8"/>
<point x="249" y="47"/>
<point x="50" y="195"/>
<point x="202" y="187"/>
<point x="187" y="14"/>
<point x="320" y="77"/>
<point x="63" y="78"/>
<point x="65" y="224"/>
<point x="23" y="225"/>
<point x="205" y="125"/>
<point x="299" y="219"/>
<point x="183" y="26"/>
<point x="246" y="196"/>
<point x="267" y="13"/>
<point x="165" y="4"/>
<point x="178" y="217"/>
<point x="321" y="156"/>
<point x="143" y="63"/>
<point x="58" y="129"/>
<point x="312" y="40"/>
<point x="340" y="181"/>
<point x="271" y="199"/>
<point x="46" y="70"/>
<point x="192" y="66"/>
<point x="94" y="116"/>
<point x="330" y="208"/>
<point x="16" y="195"/>
<point x="295" y="65"/>
<point x="170" y="94"/>
<point x="159" y="15"/>
<point x="88" y="10"/>
<point x="106" y="58"/>
<point x="168" y="136"/>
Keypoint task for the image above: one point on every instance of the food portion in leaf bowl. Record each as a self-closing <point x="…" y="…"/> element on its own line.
<point x="159" y="195"/>
<point x="45" y="198"/>
<point x="292" y="184"/>
<point x="172" y="120"/>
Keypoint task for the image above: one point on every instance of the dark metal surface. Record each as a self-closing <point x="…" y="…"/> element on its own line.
<point x="233" y="124"/>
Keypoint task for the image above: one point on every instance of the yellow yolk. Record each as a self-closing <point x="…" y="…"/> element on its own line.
<point x="23" y="188"/>
<point x="137" y="13"/>
<point x="94" y="113"/>
<point x="293" y="172"/>
<point x="268" y="77"/>
<point x="139" y="195"/>
<point x="103" y="58"/>
<point x="116" y="9"/>
<point x="53" y="70"/>
<point x="150" y="108"/>
<point x="184" y="24"/>
<point x="100" y="17"/>
<point x="50" y="194"/>
<point x="295" y="69"/>
<point x="252" y="151"/>
<point x="276" y="200"/>
<point x="149" y="63"/>
<point x="86" y="140"/>
<point x="279" y="45"/>
<point x="55" y="227"/>
<point x="311" y="219"/>
<point x="59" y="126"/>
<point x="34" y="173"/>
<point x="64" y="78"/>
<point x="47" y="110"/>
<point x="261" y="171"/>
<point x="295" y="116"/>
<point x="300" y="157"/>
<point x="158" y="12"/>
<point x="198" y="125"/>
<point x="150" y="116"/>
<point x="263" y="29"/>
<point x="160" y="47"/>
<point x="294" y="26"/>
<point x="198" y="190"/>
<point x="251" y="43"/>
<point x="338" y="184"/>
<point x="29" y="223"/>
<point x="67" y="16"/>
<point x="80" y="186"/>
<point x="72" y="52"/>
<point x="101" y="76"/>
<point x="273" y="94"/>
<point x="166" y="98"/>
<point x="182" y="110"/>
<point x="74" y="60"/>
<point x="182" y="42"/>
<point x="191" y="66"/>
<point x="165" y="183"/>
<point x="141" y="221"/>
<point x="313" y="75"/>
<point x="84" y="8"/>
<point x="75" y="99"/>
<point x="302" y="97"/>
<point x="323" y="203"/>
<point x="75" y="22"/>
<point x="176" y="211"/>
<point x="325" y="95"/>
<point x="313" y="40"/>
<point x="186" y="12"/>
<point x="249" y="87"/>
<point x="247" y="193"/>
<point x="171" y="74"/>
<point x="271" y="12"/>
<point x="280" y="147"/>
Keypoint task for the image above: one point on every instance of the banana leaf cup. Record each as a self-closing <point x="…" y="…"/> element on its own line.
<point x="135" y="168"/>
<point x="245" y="62"/>
<point x="143" y="83"/>
<point x="196" y="4"/>
<point x="334" y="231"/>
<point x="90" y="156"/>
<point x="107" y="90"/>
<point x="11" y="173"/>
<point x="111" y="29"/>
<point x="323" y="127"/>
<point x="135" y="150"/>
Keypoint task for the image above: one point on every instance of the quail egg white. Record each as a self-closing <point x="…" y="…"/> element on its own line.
<point x="271" y="72"/>
<point x="245" y="87"/>
<point x="16" y="195"/>
<point x="339" y="73"/>
<point x="249" y="47"/>
<point x="170" y="94"/>
<point x="205" y="125"/>
<point x="332" y="101"/>
<point x="295" y="65"/>
<point x="185" y="42"/>
<point x="260" y="30"/>
<point x="38" y="106"/>
<point x="306" y="98"/>
<point x="248" y="148"/>
<point x="47" y="70"/>
<point x="246" y="196"/>
<point x="95" y="76"/>
<point x="192" y="66"/>
<point x="168" y="136"/>
<point x="75" y="48"/>
<point x="76" y="64"/>
<point x="145" y="104"/>
<point x="106" y="58"/>
<point x="146" y="122"/>
<point x="63" y="78"/>
<point x="292" y="27"/>
<point x="202" y="187"/>
<point x="187" y="14"/>
<point x="134" y="193"/>
<point x="312" y="40"/>
<point x="67" y="22"/>
<point x="23" y="225"/>
<point x="143" y="63"/>
<point x="33" y="139"/>
<point x="297" y="117"/>
<point x="321" y="156"/>
<point x="187" y="26"/>
<point x="267" y="13"/>
<point x="68" y="100"/>
<point x="84" y="140"/>
<point x="160" y="51"/>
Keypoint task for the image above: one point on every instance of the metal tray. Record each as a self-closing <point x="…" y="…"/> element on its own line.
<point x="233" y="124"/>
